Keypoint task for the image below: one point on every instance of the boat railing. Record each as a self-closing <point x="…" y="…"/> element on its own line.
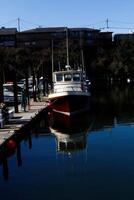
<point x="69" y="87"/>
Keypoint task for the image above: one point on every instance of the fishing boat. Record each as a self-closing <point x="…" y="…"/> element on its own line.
<point x="70" y="94"/>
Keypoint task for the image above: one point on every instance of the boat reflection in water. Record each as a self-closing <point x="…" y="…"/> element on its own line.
<point x="70" y="132"/>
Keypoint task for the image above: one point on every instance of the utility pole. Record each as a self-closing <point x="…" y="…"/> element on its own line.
<point x="18" y="21"/>
<point x="107" y="23"/>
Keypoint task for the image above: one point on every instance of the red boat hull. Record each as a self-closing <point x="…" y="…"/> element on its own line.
<point x="70" y="105"/>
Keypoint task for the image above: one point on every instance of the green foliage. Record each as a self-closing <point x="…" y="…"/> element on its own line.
<point x="123" y="58"/>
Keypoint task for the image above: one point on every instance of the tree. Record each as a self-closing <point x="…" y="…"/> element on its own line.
<point x="122" y="65"/>
<point x="100" y="65"/>
<point x="2" y="64"/>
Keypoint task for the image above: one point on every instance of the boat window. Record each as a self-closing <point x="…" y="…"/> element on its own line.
<point x="76" y="77"/>
<point x="67" y="77"/>
<point x="59" y="77"/>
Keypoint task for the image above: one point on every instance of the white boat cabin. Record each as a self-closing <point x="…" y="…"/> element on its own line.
<point x="70" y="80"/>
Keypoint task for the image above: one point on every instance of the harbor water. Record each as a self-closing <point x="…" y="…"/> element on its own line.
<point x="89" y="156"/>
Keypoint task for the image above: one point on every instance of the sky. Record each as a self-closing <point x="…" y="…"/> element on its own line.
<point x="70" y="13"/>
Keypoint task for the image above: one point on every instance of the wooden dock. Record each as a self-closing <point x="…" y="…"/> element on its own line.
<point x="21" y="119"/>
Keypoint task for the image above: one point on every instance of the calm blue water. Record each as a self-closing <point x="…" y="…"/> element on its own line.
<point x="94" y="162"/>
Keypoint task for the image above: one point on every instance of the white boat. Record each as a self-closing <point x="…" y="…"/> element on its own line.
<point x="70" y="94"/>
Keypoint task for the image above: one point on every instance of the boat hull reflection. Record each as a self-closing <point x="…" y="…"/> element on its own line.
<point x="70" y="132"/>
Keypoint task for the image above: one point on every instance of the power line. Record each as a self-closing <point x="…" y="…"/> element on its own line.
<point x="99" y="22"/>
<point x="101" y="25"/>
<point x="18" y="21"/>
<point x="8" y="22"/>
<point x="25" y="21"/>
<point x="121" y="22"/>
<point x="121" y="27"/>
<point x="24" y="27"/>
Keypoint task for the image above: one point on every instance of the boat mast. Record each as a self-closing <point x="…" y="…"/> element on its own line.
<point x="82" y="59"/>
<point x="52" y="57"/>
<point x="67" y="47"/>
<point x="81" y="52"/>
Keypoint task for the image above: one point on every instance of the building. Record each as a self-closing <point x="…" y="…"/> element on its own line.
<point x="118" y="38"/>
<point x="8" y="37"/>
<point x="105" y="39"/>
<point x="39" y="37"/>
<point x="42" y="37"/>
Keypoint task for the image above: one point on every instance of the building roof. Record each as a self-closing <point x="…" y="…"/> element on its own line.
<point x="57" y="29"/>
<point x="106" y="32"/>
<point x="7" y="31"/>
<point x="40" y="30"/>
<point x="84" y="29"/>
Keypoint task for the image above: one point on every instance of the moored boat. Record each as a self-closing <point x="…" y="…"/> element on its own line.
<point x="70" y="94"/>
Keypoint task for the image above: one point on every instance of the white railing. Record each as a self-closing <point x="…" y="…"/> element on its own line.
<point x="67" y="88"/>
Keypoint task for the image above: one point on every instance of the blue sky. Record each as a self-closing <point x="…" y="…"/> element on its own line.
<point x="71" y="13"/>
